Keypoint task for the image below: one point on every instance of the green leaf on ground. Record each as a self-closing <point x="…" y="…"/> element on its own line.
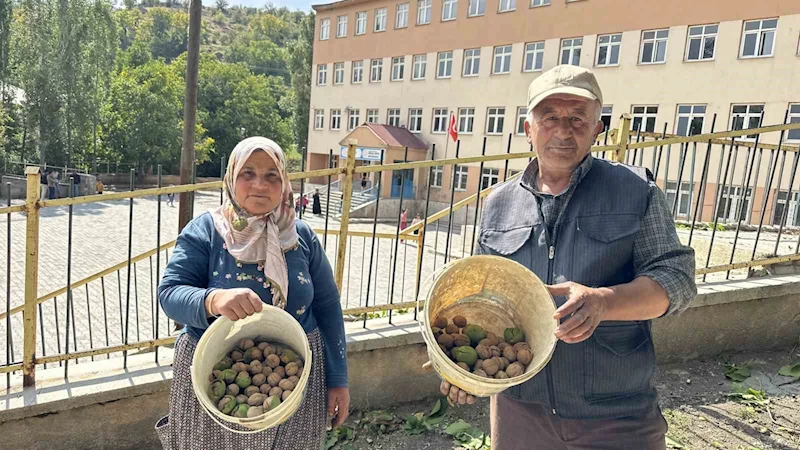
<point x="792" y="370"/>
<point x="457" y="428"/>
<point x="737" y="373"/>
<point x="673" y="443"/>
<point x="341" y="434"/>
<point x="439" y="408"/>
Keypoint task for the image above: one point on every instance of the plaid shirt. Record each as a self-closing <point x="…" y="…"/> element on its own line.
<point x="657" y="252"/>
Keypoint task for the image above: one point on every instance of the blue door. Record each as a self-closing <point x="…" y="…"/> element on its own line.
<point x="403" y="180"/>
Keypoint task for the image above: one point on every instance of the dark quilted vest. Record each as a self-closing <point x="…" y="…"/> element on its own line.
<point x="608" y="375"/>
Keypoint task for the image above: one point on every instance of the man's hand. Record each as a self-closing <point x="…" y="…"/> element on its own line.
<point x="234" y="304"/>
<point x="338" y="404"/>
<point x="456" y="395"/>
<point x="586" y="307"/>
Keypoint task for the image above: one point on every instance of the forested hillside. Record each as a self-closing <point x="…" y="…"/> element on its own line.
<point x="106" y="84"/>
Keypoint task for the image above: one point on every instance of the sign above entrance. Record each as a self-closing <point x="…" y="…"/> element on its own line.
<point x="363" y="153"/>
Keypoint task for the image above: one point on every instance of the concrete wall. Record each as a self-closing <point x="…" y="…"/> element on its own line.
<point x="19" y="186"/>
<point x="385" y="367"/>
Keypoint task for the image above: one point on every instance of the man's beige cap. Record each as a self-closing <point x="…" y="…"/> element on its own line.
<point x="564" y="79"/>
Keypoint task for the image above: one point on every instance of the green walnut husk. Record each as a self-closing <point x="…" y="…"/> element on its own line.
<point x="513" y="335"/>
<point x="240" y="411"/>
<point x="272" y="402"/>
<point x="465" y="354"/>
<point x="226" y="404"/>
<point x="225" y="363"/>
<point x="217" y="390"/>
<point x="228" y="376"/>
<point x="288" y="356"/>
<point x="243" y="379"/>
<point x="475" y="333"/>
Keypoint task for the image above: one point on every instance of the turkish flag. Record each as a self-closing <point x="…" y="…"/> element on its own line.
<point x="452" y="130"/>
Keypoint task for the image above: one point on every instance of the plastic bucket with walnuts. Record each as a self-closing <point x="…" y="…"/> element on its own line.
<point x="271" y="324"/>
<point x="495" y="293"/>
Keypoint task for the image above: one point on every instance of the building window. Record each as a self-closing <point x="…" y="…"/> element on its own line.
<point x="522" y="116"/>
<point x="336" y="119"/>
<point x="398" y="68"/>
<point x="746" y="116"/>
<point x="608" y="50"/>
<point x="393" y="117"/>
<point x="420" y="65"/>
<point x="372" y="116"/>
<point x="415" y="120"/>
<point x="424" y="12"/>
<point x="502" y="59"/>
<point x="494" y="120"/>
<point x="461" y="178"/>
<point x="644" y="118"/>
<point x="338" y="73"/>
<point x="476" y="8"/>
<point x="758" y="38"/>
<point x="534" y="56"/>
<point x="439" y="121"/>
<point x="358" y="72"/>
<point x="571" y="51"/>
<point x="489" y="177"/>
<point x="449" y="9"/>
<point x="605" y="116"/>
<point x="445" y="65"/>
<point x="466" y="119"/>
<point x="322" y="74"/>
<point x="341" y="26"/>
<point x="319" y="119"/>
<point x="437" y="176"/>
<point x="690" y="120"/>
<point x="325" y="29"/>
<point x="361" y="23"/>
<point x="507" y="5"/>
<point x="793" y="215"/>
<point x="353" y="117"/>
<point x="376" y="71"/>
<point x="401" y="18"/>
<point x="685" y="197"/>
<point x="654" y="47"/>
<point x="535" y="3"/>
<point x="731" y="203"/>
<point x="794" y="117"/>
<point x="380" y="20"/>
<point x="702" y="42"/>
<point x="472" y="62"/>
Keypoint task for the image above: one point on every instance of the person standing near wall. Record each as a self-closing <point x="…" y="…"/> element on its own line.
<point x="76" y="184"/>
<point x="43" y="185"/>
<point x="52" y="184"/>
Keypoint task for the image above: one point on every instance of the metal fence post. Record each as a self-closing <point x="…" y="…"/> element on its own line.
<point x="621" y="138"/>
<point x="345" y="217"/>
<point x="31" y="275"/>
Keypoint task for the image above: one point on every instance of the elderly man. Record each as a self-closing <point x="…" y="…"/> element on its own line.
<point x="601" y="236"/>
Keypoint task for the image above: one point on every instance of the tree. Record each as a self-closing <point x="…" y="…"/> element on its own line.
<point x="301" y="57"/>
<point x="142" y="121"/>
<point x="221" y="4"/>
<point x="234" y="103"/>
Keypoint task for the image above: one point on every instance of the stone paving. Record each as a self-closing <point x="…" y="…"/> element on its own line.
<point x="100" y="239"/>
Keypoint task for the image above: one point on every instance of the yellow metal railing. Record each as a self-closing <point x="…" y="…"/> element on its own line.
<point x="620" y="145"/>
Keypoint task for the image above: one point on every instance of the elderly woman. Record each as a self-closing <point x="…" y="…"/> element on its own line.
<point x="227" y="262"/>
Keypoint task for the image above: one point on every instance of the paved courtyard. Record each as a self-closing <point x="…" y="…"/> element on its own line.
<point x="100" y="240"/>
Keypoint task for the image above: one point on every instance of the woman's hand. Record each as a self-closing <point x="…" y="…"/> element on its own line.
<point x="234" y="304"/>
<point x="338" y="404"/>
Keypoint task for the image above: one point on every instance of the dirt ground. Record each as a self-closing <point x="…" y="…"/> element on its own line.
<point x="700" y="404"/>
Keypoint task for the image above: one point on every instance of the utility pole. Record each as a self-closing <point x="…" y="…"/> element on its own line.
<point x="186" y="207"/>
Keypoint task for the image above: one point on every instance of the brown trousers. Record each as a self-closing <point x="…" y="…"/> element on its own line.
<point x="518" y="425"/>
